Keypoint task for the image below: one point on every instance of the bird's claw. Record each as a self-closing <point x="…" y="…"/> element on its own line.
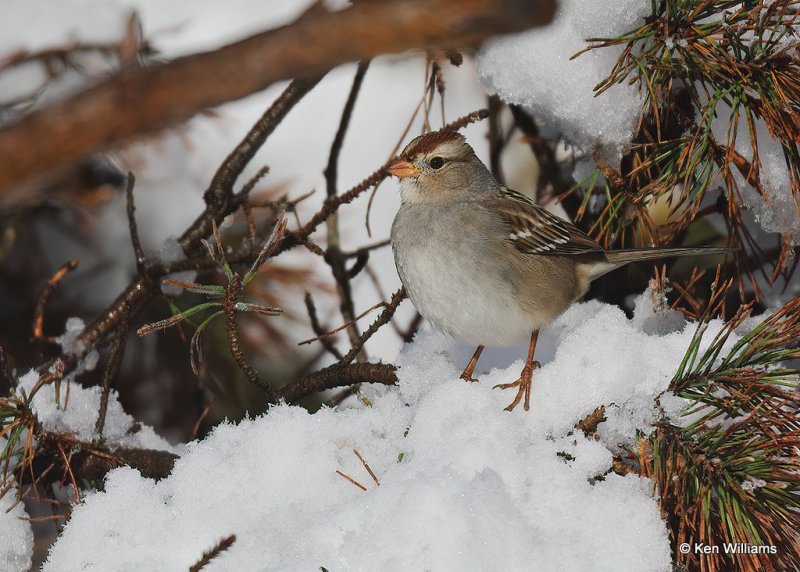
<point x="524" y="385"/>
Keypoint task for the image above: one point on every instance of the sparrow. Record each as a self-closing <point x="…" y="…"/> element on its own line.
<point x="485" y="264"/>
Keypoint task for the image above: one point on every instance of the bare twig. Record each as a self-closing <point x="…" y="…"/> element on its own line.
<point x="549" y="172"/>
<point x="250" y="185"/>
<point x="496" y="140"/>
<point x="233" y="292"/>
<point x="318" y="329"/>
<point x="298" y="236"/>
<point x="462" y="122"/>
<point x="112" y="367"/>
<point x="412" y="328"/>
<point x="333" y="253"/>
<point x="343" y="326"/>
<point x="368" y="248"/>
<point x="384" y="318"/>
<point x="332" y="170"/>
<point x="44" y="296"/>
<point x="219" y="197"/>
<point x="131" y="210"/>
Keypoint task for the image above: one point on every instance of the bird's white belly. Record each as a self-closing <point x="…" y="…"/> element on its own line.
<point x="450" y="287"/>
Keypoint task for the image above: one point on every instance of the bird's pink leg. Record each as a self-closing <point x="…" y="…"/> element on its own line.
<point x="466" y="375"/>
<point x="524" y="381"/>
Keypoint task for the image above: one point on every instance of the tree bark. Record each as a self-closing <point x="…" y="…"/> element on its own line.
<point x="144" y="100"/>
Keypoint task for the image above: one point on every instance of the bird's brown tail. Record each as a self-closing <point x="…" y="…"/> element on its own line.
<point x="620" y="257"/>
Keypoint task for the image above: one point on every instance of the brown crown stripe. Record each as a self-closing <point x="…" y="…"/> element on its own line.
<point x="430" y="141"/>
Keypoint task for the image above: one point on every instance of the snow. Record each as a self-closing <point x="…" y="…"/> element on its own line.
<point x="652" y="313"/>
<point x="76" y="412"/>
<point x="463" y="484"/>
<point x="16" y="536"/>
<point x="534" y="69"/>
<point x="777" y="212"/>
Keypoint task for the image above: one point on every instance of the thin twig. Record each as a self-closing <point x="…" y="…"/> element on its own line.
<point x="462" y="122"/>
<point x="343" y="326"/>
<point x="333" y="254"/>
<point x="250" y="185"/>
<point x="131" y="210"/>
<point x="201" y="418"/>
<point x="318" y="329"/>
<point x="112" y="368"/>
<point x="332" y="169"/>
<point x="44" y="296"/>
<point x="381" y="320"/>
<point x="412" y="328"/>
<point x="549" y="172"/>
<point x="233" y="292"/>
<point x="219" y="196"/>
<point x="369" y="248"/>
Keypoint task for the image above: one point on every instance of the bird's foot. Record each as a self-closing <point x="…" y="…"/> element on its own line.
<point x="467" y="377"/>
<point x="524" y="386"/>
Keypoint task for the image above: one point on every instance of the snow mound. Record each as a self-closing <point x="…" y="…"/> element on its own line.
<point x="463" y="484"/>
<point x="76" y="412"/>
<point x="534" y="69"/>
<point x="16" y="536"/>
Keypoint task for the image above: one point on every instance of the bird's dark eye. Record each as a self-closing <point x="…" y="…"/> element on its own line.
<point x="437" y="163"/>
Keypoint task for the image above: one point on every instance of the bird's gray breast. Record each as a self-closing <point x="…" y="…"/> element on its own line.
<point x="452" y="264"/>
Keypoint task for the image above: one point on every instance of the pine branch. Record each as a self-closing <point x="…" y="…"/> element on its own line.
<point x="726" y="469"/>
<point x="694" y="62"/>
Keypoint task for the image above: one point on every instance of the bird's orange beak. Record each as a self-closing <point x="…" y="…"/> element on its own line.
<point x="401" y="168"/>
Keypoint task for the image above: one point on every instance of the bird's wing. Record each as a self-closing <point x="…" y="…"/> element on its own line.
<point x="534" y="230"/>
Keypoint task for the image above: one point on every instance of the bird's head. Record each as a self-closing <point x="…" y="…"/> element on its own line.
<point x="441" y="167"/>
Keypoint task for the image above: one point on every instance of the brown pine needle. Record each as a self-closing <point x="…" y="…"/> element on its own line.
<point x="367" y="467"/>
<point x="352" y="480"/>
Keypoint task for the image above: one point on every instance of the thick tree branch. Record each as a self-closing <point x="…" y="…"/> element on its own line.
<point x="339" y="375"/>
<point x="91" y="461"/>
<point x="145" y="100"/>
